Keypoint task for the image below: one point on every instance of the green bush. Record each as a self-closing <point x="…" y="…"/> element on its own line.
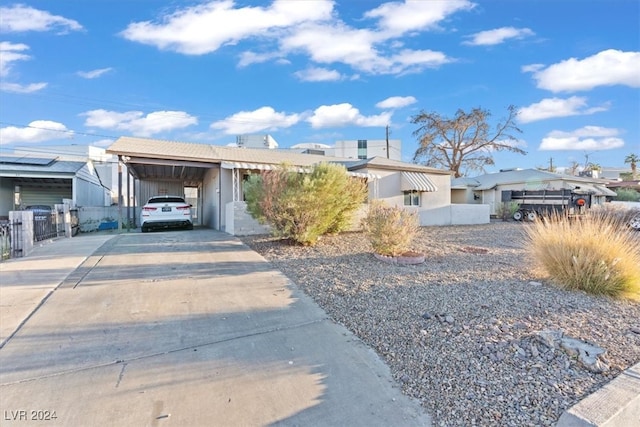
<point x="304" y="206"/>
<point x="506" y="210"/>
<point x="595" y="254"/>
<point x="390" y="229"/>
<point x="627" y="195"/>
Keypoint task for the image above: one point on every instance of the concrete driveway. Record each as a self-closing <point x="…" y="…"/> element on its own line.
<point x="180" y="328"/>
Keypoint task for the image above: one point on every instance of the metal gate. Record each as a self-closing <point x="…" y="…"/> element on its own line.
<point x="10" y="239"/>
<point x="45" y="225"/>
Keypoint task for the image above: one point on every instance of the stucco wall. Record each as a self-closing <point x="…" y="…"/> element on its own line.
<point x="462" y="214"/>
<point x="210" y="202"/>
<point x="240" y="223"/>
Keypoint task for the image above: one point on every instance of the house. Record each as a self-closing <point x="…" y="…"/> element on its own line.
<point x="41" y="179"/>
<point x="214" y="176"/>
<point x="487" y="189"/>
<point x="368" y="148"/>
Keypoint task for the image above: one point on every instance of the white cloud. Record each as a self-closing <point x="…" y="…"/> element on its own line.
<point x="557" y="107"/>
<point x="498" y="36"/>
<point x="19" y="88"/>
<point x="11" y="52"/>
<point x="340" y="115"/>
<point x="21" y="18"/>
<point x="316" y="74"/>
<point x="247" y="58"/>
<point x="93" y="74"/>
<point x="397" y="18"/>
<point x="532" y="68"/>
<point x="326" y="44"/>
<point x="264" y="118"/>
<point x="607" y="68"/>
<point x="396" y="102"/>
<point x="302" y="27"/>
<point x="204" y="28"/>
<point x="137" y="123"/>
<point x="586" y="138"/>
<point x="36" y="131"/>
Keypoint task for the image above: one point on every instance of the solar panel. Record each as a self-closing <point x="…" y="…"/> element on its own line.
<point x="31" y="161"/>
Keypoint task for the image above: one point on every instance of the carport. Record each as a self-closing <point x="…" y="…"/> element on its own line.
<point x="154" y="176"/>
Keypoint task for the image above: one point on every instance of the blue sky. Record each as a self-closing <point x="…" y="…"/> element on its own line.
<point x="87" y="72"/>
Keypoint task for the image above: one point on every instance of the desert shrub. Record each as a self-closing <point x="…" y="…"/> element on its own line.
<point x="390" y="229"/>
<point x="595" y="254"/>
<point x="506" y="210"/>
<point x="618" y="213"/>
<point x="627" y="195"/>
<point x="304" y="206"/>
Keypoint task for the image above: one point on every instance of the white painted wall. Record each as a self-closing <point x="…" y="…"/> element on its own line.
<point x="348" y="149"/>
<point x="210" y="202"/>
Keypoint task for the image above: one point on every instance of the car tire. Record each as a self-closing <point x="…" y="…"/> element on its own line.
<point x="190" y="227"/>
<point x="144" y="229"/>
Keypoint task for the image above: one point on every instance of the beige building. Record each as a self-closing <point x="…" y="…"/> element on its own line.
<point x="213" y="176"/>
<point x="487" y="189"/>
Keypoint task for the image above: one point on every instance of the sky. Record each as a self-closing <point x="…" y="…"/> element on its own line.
<point x="87" y="72"/>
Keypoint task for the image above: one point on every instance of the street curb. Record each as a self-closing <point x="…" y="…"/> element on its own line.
<point x="615" y="404"/>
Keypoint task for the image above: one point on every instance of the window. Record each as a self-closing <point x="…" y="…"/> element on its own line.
<point x="412" y="198"/>
<point x="362" y="148"/>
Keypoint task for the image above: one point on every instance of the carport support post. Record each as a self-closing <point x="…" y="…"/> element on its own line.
<point x="128" y="199"/>
<point x="120" y="198"/>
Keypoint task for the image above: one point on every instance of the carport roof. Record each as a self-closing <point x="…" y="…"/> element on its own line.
<point x="184" y="151"/>
<point x="155" y="159"/>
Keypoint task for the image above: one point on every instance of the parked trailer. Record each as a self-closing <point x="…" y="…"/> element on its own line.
<point x="544" y="202"/>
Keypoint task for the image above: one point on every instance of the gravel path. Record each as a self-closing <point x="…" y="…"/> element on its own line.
<point x="471" y="333"/>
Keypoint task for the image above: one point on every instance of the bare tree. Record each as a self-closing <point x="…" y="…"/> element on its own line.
<point x="465" y="142"/>
<point x="573" y="168"/>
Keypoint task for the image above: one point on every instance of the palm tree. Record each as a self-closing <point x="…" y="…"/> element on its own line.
<point x="633" y="160"/>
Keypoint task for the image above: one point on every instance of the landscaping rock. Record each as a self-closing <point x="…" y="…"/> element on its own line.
<point x="474" y="375"/>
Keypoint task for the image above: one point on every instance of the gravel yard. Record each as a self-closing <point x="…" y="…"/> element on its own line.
<point x="470" y="332"/>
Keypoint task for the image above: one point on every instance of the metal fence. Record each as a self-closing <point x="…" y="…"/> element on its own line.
<point x="10" y="239"/>
<point x="46" y="226"/>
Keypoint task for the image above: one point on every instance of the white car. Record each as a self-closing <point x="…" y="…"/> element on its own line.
<point x="166" y="212"/>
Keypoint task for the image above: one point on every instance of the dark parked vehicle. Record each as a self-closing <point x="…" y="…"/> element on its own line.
<point x="40" y="212"/>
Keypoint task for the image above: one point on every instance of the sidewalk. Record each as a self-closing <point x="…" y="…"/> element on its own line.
<point x="179" y="329"/>
<point x="26" y="282"/>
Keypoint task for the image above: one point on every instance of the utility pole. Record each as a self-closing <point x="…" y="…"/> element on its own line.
<point x="387" y="132"/>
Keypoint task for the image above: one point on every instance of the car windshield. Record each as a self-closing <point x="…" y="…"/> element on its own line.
<point x="166" y="200"/>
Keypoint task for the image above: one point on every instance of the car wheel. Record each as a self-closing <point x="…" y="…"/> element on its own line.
<point x="144" y="229"/>
<point x="517" y="215"/>
<point x="190" y="227"/>
<point x="635" y="222"/>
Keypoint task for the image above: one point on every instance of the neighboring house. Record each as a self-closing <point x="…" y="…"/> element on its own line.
<point x="487" y="189"/>
<point x="368" y="148"/>
<point x="214" y="175"/>
<point x="355" y="149"/>
<point x="614" y="173"/>
<point x="37" y="179"/>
